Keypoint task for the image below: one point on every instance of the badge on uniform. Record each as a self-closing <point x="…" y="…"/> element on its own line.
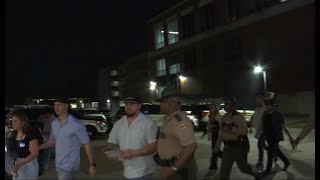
<point x="183" y="125"/>
<point x="22" y="144"/>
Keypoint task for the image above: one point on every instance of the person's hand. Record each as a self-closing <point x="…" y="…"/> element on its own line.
<point x="128" y="154"/>
<point x="92" y="171"/>
<point x="15" y="168"/>
<point x="296" y="142"/>
<point x="257" y="135"/>
<point x="166" y="172"/>
<point x="215" y="150"/>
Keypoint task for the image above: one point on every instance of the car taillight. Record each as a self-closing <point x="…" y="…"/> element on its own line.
<point x="98" y="122"/>
<point x="204" y="113"/>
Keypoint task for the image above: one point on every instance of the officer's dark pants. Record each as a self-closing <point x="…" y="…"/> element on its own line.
<point x="214" y="156"/>
<point x="187" y="173"/>
<point x="272" y="150"/>
<point x="232" y="153"/>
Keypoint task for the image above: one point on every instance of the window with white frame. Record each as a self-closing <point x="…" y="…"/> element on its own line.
<point x="174" y="69"/>
<point x="159" y="36"/>
<point x="161" y="67"/>
<point x="172" y="27"/>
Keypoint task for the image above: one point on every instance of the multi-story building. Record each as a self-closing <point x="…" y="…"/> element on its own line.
<point x="214" y="44"/>
<point x="118" y="81"/>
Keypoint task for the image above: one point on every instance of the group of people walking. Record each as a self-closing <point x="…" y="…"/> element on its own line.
<point x="142" y="145"/>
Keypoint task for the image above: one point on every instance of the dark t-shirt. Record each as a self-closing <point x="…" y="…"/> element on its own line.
<point x="20" y="148"/>
<point x="272" y="128"/>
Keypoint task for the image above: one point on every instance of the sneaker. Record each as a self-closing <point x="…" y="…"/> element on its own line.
<point x="285" y="167"/>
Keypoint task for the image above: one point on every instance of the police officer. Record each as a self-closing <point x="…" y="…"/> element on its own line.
<point x="177" y="142"/>
<point x="233" y="134"/>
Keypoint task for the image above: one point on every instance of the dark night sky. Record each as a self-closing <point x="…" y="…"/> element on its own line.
<point x="53" y="48"/>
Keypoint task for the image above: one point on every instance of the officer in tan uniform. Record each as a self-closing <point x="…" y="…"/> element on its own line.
<point x="233" y="134"/>
<point x="177" y="142"/>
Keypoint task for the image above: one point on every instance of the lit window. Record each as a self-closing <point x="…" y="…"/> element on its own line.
<point x="173" y="34"/>
<point x="174" y="69"/>
<point x="161" y="67"/>
<point x="159" y="36"/>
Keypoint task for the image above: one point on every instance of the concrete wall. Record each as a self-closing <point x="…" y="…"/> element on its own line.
<point x="297" y="103"/>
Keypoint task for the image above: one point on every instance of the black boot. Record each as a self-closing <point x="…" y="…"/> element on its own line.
<point x="285" y="167"/>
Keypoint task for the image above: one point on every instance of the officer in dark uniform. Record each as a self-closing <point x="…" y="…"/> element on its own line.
<point x="233" y="134"/>
<point x="177" y="142"/>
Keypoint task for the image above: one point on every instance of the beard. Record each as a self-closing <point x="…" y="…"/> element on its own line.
<point x="130" y="113"/>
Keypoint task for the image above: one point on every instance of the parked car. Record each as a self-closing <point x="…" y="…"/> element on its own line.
<point x="95" y="122"/>
<point x="105" y="112"/>
<point x="153" y="111"/>
<point x="198" y="111"/>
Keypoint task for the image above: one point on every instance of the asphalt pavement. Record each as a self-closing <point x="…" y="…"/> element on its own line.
<point x="302" y="160"/>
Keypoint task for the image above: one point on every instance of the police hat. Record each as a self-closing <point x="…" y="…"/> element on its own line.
<point x="132" y="99"/>
<point x="231" y="99"/>
<point x="64" y="100"/>
<point x="168" y="92"/>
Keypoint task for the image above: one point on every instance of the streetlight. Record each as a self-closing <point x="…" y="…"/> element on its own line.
<point x="259" y="69"/>
<point x="182" y="80"/>
<point x="153" y="85"/>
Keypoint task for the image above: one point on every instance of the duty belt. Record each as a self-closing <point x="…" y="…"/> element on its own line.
<point x="230" y="142"/>
<point x="164" y="162"/>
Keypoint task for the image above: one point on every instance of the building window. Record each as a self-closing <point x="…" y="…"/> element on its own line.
<point x="207" y="55"/>
<point x="206" y="17"/>
<point x="190" y="59"/>
<point x="174" y="69"/>
<point x="172" y="27"/>
<point x="159" y="36"/>
<point x="187" y="25"/>
<point x="161" y="67"/>
<point x="232" y="10"/>
<point x="232" y="50"/>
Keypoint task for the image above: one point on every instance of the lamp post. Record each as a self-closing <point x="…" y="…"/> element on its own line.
<point x="259" y="69"/>
<point x="153" y="87"/>
<point x="182" y="80"/>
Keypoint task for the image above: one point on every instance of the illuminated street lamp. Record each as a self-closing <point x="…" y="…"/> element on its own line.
<point x="153" y="85"/>
<point x="259" y="69"/>
<point x="182" y="78"/>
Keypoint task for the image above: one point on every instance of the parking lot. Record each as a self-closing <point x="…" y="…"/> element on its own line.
<point x="302" y="159"/>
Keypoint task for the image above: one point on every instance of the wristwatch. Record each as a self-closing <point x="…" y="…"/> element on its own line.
<point x="93" y="164"/>
<point x="174" y="168"/>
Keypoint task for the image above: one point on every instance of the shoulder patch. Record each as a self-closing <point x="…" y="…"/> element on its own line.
<point x="178" y="118"/>
<point x="183" y="125"/>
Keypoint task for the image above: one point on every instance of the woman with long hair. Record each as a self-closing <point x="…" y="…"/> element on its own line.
<point x="23" y="147"/>
<point x="214" y="124"/>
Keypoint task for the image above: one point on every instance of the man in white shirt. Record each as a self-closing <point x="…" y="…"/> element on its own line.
<point x="255" y="122"/>
<point x="135" y="134"/>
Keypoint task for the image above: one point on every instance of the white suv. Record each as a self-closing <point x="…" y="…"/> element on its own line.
<point x="153" y="111"/>
<point x="95" y="123"/>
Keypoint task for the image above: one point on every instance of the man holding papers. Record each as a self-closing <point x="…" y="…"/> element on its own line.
<point x="135" y="135"/>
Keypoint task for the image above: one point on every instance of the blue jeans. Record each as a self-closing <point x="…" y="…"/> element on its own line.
<point x="66" y="175"/>
<point x="145" y="177"/>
